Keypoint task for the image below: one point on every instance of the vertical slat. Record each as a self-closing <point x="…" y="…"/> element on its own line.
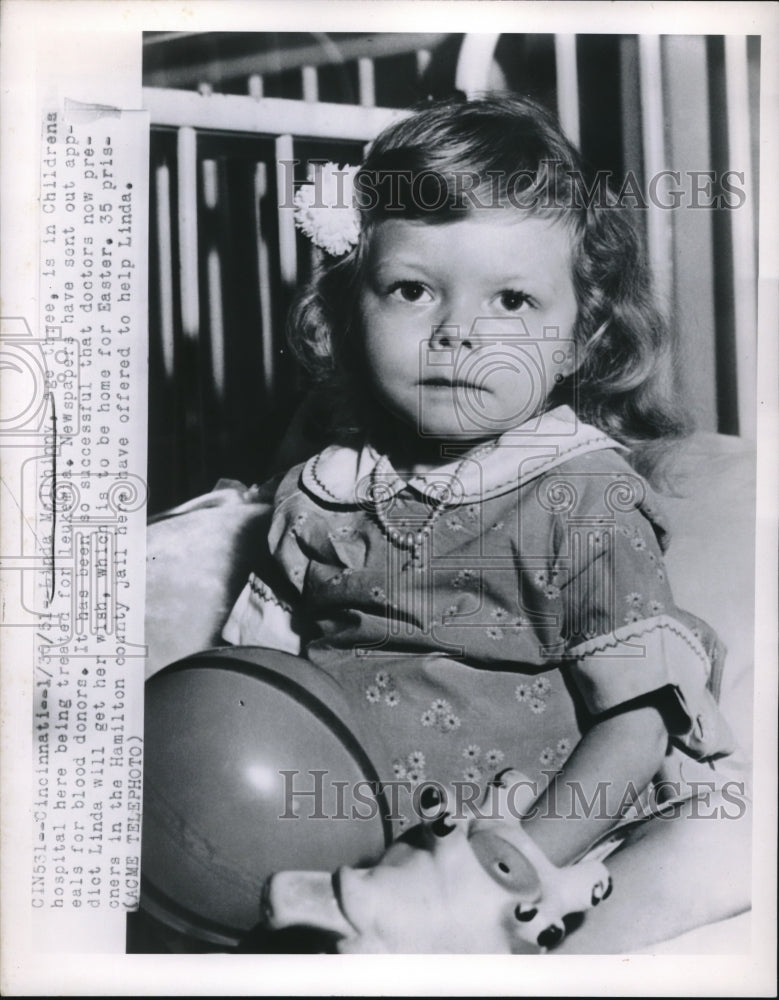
<point x="187" y="223"/>
<point x="264" y="283"/>
<point x="630" y="106"/>
<point x="216" y="321"/>
<point x="567" y="86"/>
<point x="659" y="234"/>
<point x="423" y="61"/>
<point x="210" y="183"/>
<point x="310" y="84"/>
<point x="693" y="285"/>
<point x="288" y="264"/>
<point x="165" y="268"/>
<point x="315" y="253"/>
<point x="743" y="231"/>
<point x="366" y="82"/>
<point x="256" y="86"/>
<point x="214" y="279"/>
<point x="474" y="63"/>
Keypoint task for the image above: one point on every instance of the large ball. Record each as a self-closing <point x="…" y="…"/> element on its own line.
<point x="220" y="813"/>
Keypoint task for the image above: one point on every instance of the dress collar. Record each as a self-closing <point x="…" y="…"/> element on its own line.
<point x="356" y="476"/>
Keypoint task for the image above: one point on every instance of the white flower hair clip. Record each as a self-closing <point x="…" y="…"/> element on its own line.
<point x="325" y="209"/>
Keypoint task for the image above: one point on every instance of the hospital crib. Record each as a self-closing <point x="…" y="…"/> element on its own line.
<point x="235" y="127"/>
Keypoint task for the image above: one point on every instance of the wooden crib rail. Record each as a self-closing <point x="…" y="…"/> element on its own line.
<point x="267" y="115"/>
<point x="223" y="274"/>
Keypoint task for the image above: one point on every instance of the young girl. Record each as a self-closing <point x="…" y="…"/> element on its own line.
<point x="474" y="559"/>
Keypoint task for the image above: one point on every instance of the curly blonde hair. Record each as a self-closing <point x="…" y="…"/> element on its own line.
<point x="453" y="158"/>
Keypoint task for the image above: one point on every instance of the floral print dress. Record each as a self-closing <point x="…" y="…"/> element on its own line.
<point x="481" y="616"/>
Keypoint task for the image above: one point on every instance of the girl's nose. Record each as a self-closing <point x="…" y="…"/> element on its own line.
<point x="454" y="319"/>
<point x="448" y="336"/>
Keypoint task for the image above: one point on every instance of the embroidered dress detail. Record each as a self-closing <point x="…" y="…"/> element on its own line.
<point x="623" y="635"/>
<point x="510" y="636"/>
<point x="265" y="594"/>
<point x="651" y="655"/>
<point x="440" y="494"/>
<point x="260" y="618"/>
<point x="345" y="475"/>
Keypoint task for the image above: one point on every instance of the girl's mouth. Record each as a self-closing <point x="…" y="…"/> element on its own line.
<point x="440" y="382"/>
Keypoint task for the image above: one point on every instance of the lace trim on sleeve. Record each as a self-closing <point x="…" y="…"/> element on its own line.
<point x="259" y="618"/>
<point x="650" y="655"/>
<point x="635" y="630"/>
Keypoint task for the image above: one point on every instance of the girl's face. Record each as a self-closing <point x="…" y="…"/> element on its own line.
<point x="468" y="325"/>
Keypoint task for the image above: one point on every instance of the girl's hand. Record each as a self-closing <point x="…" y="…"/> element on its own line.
<point x="457" y="883"/>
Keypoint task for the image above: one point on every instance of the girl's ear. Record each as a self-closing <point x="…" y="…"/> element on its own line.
<point x="574" y="356"/>
<point x="570" y="363"/>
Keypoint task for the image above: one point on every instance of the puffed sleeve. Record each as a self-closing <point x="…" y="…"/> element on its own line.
<point x="260" y="618"/>
<point x="265" y="613"/>
<point x="623" y="635"/>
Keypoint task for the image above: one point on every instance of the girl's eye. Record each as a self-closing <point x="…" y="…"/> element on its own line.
<point x="409" y="291"/>
<point x="513" y="301"/>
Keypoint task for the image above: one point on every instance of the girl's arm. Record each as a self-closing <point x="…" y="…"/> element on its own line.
<point x="614" y="760"/>
<point x="673" y="876"/>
